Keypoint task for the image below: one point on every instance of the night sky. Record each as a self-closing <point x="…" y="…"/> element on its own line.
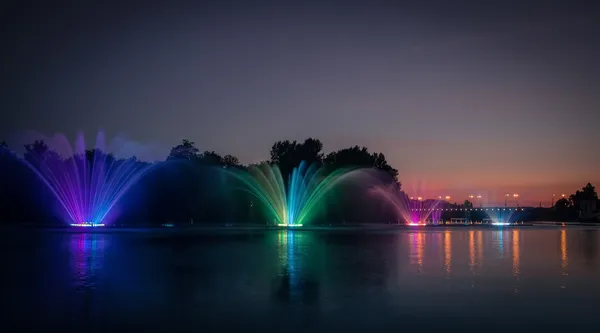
<point x="463" y="97"/>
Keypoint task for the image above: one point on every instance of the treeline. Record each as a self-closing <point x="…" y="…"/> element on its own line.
<point x="190" y="186"/>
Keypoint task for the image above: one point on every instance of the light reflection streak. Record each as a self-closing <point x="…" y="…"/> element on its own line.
<point x="415" y="243"/>
<point x="499" y="243"/>
<point x="288" y="258"/>
<point x="564" y="256"/>
<point x="448" y="252"/>
<point x="479" y="245"/>
<point x="420" y="248"/>
<point x="472" y="259"/>
<point x="516" y="254"/>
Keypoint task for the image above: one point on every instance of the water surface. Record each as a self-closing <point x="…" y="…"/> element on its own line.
<point x="473" y="279"/>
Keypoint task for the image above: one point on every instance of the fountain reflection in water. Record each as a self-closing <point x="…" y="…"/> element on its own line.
<point x="416" y="243"/>
<point x="293" y="282"/>
<point x="87" y="251"/>
<point x="498" y="242"/>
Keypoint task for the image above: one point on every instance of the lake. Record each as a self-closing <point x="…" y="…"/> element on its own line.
<point x="475" y="279"/>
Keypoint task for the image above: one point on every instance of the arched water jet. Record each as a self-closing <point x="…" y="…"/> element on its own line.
<point x="87" y="183"/>
<point x="291" y="204"/>
<point x="412" y="211"/>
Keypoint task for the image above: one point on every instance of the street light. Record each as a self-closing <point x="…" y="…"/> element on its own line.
<point x="479" y="198"/>
<point x="447" y="197"/>
<point x="506" y="199"/>
<point x="516" y="196"/>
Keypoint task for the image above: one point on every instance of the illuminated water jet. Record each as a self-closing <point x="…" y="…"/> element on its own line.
<point x="291" y="204"/>
<point x="500" y="216"/>
<point x="412" y="212"/>
<point x="86" y="183"/>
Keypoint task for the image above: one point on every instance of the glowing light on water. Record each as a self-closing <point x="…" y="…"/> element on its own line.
<point x="294" y="203"/>
<point x="417" y="224"/>
<point x="499" y="242"/>
<point x="416" y="243"/>
<point x="479" y="243"/>
<point x="448" y="252"/>
<point x="564" y="257"/>
<point x="87" y="225"/>
<point x="500" y="223"/>
<point x="516" y="252"/>
<point x="86" y="183"/>
<point x="472" y="259"/>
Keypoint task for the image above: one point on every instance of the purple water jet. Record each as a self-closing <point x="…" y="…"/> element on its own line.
<point x="86" y="183"/>
<point x="412" y="211"/>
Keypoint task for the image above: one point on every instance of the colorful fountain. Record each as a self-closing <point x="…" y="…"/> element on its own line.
<point x="291" y="204"/>
<point x="86" y="183"/>
<point x="412" y="211"/>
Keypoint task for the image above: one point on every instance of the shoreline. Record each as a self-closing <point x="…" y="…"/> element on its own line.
<point x="256" y="227"/>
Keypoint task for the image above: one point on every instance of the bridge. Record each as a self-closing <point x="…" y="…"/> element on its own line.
<point x="490" y="214"/>
<point x="480" y="209"/>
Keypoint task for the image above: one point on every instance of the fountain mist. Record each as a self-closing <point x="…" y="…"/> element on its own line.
<point x="86" y="183"/>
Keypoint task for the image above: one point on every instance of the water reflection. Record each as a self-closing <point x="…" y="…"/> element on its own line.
<point x="416" y="242"/>
<point x="590" y="247"/>
<point x="498" y="241"/>
<point x="448" y="252"/>
<point x="479" y="247"/>
<point x="564" y="255"/>
<point x="472" y="259"/>
<point x="516" y="254"/>
<point x="293" y="282"/>
<point x="87" y="253"/>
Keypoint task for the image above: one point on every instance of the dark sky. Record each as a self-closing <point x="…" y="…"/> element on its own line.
<point x="462" y="96"/>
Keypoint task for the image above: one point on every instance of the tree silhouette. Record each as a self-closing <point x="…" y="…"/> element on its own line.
<point x="230" y="161"/>
<point x="588" y="192"/>
<point x="360" y="157"/>
<point x="186" y="151"/>
<point x="467" y="204"/>
<point x="289" y="154"/>
<point x="563" y="204"/>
